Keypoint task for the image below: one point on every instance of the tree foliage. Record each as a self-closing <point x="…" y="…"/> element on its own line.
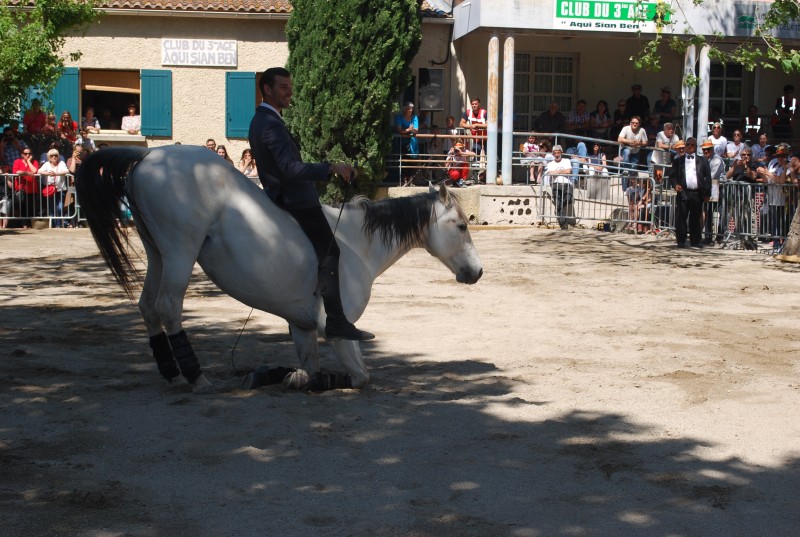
<point x="32" y="39"/>
<point x="762" y="50"/>
<point x="349" y="60"/>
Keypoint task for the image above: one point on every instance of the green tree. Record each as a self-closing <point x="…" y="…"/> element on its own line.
<point x="349" y="60"/>
<point x="32" y="39"/>
<point x="762" y="50"/>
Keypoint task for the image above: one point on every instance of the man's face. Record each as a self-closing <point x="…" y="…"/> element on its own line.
<point x="451" y="122"/>
<point x="553" y="108"/>
<point x="475" y="104"/>
<point x="557" y="155"/>
<point x="212" y="145"/>
<point x="691" y="149"/>
<point x="280" y="94"/>
<point x="669" y="131"/>
<point x="581" y="107"/>
<point x="635" y="125"/>
<point x="762" y="140"/>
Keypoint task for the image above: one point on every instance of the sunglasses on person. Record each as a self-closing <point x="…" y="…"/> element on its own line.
<point x="26" y="152"/>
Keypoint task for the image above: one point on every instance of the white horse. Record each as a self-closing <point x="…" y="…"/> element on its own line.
<point x="190" y="206"/>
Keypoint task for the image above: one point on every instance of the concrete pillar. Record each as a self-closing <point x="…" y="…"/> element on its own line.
<point x="703" y="93"/>
<point x="507" y="152"/>
<point x="687" y="93"/>
<point x="491" y="109"/>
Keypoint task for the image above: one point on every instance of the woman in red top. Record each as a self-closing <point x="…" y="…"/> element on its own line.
<point x="26" y="184"/>
<point x="67" y="128"/>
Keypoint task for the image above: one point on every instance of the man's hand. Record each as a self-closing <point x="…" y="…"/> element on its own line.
<point x="345" y="171"/>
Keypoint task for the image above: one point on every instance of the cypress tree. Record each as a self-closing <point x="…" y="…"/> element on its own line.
<point x="349" y="60"/>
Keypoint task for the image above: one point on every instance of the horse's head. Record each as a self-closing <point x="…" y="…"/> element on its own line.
<point x="448" y="238"/>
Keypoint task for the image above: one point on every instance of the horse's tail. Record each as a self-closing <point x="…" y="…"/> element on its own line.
<point x="101" y="191"/>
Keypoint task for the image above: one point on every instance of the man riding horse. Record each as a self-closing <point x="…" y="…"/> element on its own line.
<point x="289" y="182"/>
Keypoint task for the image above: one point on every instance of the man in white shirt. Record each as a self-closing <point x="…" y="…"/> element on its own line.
<point x="632" y="139"/>
<point x="559" y="173"/>
<point x="690" y="176"/>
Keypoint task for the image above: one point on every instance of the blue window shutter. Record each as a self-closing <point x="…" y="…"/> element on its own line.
<point x="156" y="102"/>
<point x="240" y="98"/>
<point x="66" y="95"/>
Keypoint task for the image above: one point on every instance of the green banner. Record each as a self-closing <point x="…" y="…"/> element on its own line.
<point x="603" y="15"/>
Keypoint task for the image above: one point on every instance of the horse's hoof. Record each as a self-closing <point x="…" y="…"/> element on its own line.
<point x="202" y="386"/>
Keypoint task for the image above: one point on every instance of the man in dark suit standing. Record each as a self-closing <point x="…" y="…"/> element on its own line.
<point x="690" y="176"/>
<point x="289" y="182"/>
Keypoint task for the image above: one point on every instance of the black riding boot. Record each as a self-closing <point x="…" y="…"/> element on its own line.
<point x="336" y="326"/>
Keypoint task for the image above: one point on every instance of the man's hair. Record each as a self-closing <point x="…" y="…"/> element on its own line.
<point x="788" y="87"/>
<point x="268" y="78"/>
<point x="691" y="141"/>
<point x="579" y="102"/>
<point x="637" y="118"/>
<point x="474" y="99"/>
<point x="211" y="140"/>
<point x="668" y="125"/>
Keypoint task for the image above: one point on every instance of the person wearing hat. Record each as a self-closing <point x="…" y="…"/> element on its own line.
<point x="717" y="166"/>
<point x="457" y="163"/>
<point x="665" y="108"/>
<point x="637" y="104"/>
<point x="690" y="176"/>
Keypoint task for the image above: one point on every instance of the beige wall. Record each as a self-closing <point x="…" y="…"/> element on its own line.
<point x="129" y="42"/>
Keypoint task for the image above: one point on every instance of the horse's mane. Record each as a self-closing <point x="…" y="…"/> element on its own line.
<point x="402" y="221"/>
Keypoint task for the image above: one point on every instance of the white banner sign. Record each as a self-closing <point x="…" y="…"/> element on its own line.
<point x="198" y="52"/>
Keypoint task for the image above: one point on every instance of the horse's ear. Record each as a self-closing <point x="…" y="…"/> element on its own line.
<point x="444" y="194"/>
<point x="431" y="190"/>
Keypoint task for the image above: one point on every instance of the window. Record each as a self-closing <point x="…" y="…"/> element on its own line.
<point x="110" y="92"/>
<point x="538" y="80"/>
<point x="725" y="92"/>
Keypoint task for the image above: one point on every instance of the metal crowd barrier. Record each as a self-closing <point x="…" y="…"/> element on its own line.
<point x="17" y="209"/>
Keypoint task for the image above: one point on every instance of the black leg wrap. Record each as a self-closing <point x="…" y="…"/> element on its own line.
<point x="184" y="355"/>
<point x="265" y="376"/>
<point x="322" y="381"/>
<point x="162" y="352"/>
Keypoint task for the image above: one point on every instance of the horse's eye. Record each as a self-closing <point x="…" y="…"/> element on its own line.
<point x="462" y="227"/>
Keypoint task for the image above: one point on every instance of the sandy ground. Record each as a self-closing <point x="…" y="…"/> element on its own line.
<point x="589" y="384"/>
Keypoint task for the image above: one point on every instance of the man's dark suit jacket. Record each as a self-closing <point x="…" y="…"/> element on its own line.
<point x="286" y="178"/>
<point x="677" y="175"/>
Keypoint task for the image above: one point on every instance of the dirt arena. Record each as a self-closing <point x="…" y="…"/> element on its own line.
<point x="590" y="384"/>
